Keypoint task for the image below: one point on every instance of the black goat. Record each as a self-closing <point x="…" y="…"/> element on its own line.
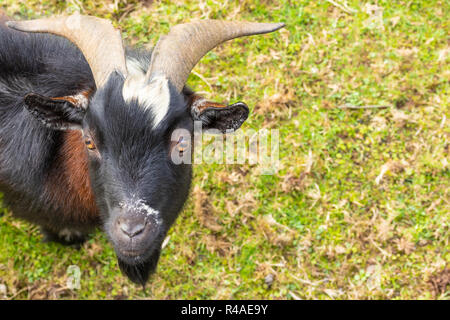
<point x="89" y="132"/>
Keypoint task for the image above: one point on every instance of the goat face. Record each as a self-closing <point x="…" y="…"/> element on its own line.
<point x="139" y="158"/>
<point x="138" y="187"/>
<point x="136" y="124"/>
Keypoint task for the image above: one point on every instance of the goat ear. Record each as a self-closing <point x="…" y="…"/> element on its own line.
<point x="213" y="115"/>
<point x="61" y="113"/>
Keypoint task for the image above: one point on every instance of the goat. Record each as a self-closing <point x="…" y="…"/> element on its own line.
<point x="89" y="129"/>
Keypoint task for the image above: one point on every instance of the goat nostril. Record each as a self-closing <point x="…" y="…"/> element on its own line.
<point x="131" y="230"/>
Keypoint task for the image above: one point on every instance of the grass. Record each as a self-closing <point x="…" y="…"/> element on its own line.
<point x="359" y="208"/>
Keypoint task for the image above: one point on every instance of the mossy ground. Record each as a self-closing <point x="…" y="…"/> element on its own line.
<point x="359" y="208"/>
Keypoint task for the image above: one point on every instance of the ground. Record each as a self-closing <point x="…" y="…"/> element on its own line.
<point x="359" y="208"/>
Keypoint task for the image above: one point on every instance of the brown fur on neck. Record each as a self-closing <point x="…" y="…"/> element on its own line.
<point x="69" y="184"/>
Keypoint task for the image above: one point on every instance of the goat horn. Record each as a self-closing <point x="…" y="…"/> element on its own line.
<point x="97" y="39"/>
<point x="176" y="54"/>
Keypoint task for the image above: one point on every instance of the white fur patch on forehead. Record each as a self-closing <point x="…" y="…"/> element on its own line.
<point x="135" y="67"/>
<point x="153" y="96"/>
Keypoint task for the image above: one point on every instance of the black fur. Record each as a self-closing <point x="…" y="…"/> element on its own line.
<point x="49" y="66"/>
<point x="75" y="241"/>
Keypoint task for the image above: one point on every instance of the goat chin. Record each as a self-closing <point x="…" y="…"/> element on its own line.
<point x="139" y="268"/>
<point x="140" y="272"/>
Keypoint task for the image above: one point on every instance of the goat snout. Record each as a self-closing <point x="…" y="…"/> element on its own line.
<point x="133" y="229"/>
<point x="131" y="226"/>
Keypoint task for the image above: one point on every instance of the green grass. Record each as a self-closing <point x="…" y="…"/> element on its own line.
<point x="328" y="224"/>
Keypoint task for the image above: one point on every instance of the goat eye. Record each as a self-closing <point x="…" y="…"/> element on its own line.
<point x="89" y="144"/>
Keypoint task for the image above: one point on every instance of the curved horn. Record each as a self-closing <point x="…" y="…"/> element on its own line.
<point x="176" y="54"/>
<point x="97" y="39"/>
